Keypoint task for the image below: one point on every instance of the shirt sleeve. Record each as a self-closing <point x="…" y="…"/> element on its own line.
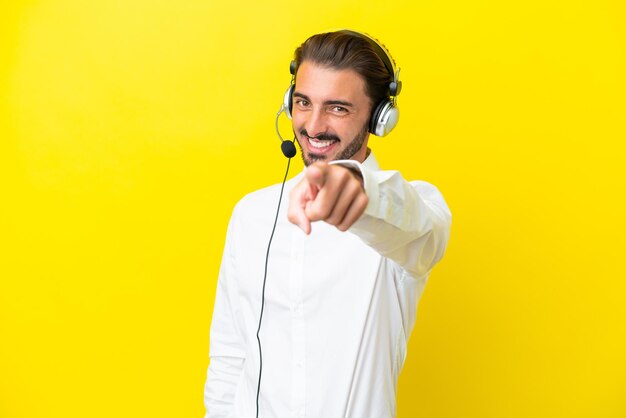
<point x="226" y="347"/>
<point x="407" y="222"/>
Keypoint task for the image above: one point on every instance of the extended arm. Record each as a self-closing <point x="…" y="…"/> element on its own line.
<point x="408" y="223"/>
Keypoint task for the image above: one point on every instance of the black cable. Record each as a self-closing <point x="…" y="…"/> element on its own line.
<point x="267" y="255"/>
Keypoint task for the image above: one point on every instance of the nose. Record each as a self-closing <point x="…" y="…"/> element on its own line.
<point x="315" y="122"/>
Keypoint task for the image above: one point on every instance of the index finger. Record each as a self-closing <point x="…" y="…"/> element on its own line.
<point x="296" y="210"/>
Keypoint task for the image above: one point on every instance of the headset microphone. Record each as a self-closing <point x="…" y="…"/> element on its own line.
<point x="287" y="147"/>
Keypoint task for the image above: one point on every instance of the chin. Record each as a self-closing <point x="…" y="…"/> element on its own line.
<point x="310" y="158"/>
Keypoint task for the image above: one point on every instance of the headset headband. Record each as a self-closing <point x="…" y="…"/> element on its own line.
<point x="380" y="51"/>
<point x="395" y="86"/>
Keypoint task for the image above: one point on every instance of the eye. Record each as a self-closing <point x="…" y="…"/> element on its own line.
<point x="339" y="109"/>
<point x="302" y="103"/>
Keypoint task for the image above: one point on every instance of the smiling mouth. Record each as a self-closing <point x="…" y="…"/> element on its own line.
<point x="321" y="144"/>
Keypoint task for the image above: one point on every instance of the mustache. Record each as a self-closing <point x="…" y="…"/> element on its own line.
<point x="321" y="137"/>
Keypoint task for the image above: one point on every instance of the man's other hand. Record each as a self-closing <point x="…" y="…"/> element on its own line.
<point x="330" y="193"/>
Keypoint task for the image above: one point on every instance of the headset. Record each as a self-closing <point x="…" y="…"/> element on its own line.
<point x="385" y="114"/>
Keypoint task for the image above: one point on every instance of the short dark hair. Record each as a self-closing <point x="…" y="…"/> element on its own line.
<point x="348" y="50"/>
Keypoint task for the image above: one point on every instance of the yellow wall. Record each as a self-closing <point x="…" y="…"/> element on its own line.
<point x="128" y="130"/>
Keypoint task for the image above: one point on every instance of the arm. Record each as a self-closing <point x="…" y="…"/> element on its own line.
<point x="226" y="348"/>
<point x="408" y="223"/>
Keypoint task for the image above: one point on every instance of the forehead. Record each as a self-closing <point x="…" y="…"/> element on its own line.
<point x="322" y="83"/>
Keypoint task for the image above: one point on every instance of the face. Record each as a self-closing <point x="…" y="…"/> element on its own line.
<point x="331" y="112"/>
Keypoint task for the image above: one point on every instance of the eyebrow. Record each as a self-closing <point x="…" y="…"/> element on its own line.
<point x="327" y="102"/>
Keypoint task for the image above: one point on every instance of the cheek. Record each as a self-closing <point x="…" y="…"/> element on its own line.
<point x="346" y="129"/>
<point x="297" y="121"/>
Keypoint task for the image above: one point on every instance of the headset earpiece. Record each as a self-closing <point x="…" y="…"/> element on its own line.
<point x="288" y="98"/>
<point x="288" y="101"/>
<point x="384" y="118"/>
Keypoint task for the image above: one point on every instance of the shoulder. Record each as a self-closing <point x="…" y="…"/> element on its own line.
<point x="426" y="189"/>
<point x="253" y="215"/>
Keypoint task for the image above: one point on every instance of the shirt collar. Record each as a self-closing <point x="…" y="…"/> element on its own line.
<point x="371" y="162"/>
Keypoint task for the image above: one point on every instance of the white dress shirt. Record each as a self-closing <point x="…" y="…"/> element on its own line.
<point x="339" y="306"/>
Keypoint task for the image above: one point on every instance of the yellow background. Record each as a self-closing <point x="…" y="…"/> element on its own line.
<point x="129" y="129"/>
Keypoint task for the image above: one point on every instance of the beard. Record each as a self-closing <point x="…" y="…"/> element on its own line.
<point x="345" y="154"/>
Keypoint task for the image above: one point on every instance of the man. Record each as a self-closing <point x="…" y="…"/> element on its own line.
<point x="347" y="265"/>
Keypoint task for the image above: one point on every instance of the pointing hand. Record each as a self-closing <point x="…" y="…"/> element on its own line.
<point x="330" y="193"/>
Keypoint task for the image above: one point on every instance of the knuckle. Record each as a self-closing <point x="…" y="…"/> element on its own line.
<point x="323" y="212"/>
<point x="342" y="227"/>
<point x="345" y="174"/>
<point x="355" y="188"/>
<point x="314" y="213"/>
<point x="333" y="219"/>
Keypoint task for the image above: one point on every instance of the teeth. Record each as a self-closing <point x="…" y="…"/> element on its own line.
<point x="320" y="144"/>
